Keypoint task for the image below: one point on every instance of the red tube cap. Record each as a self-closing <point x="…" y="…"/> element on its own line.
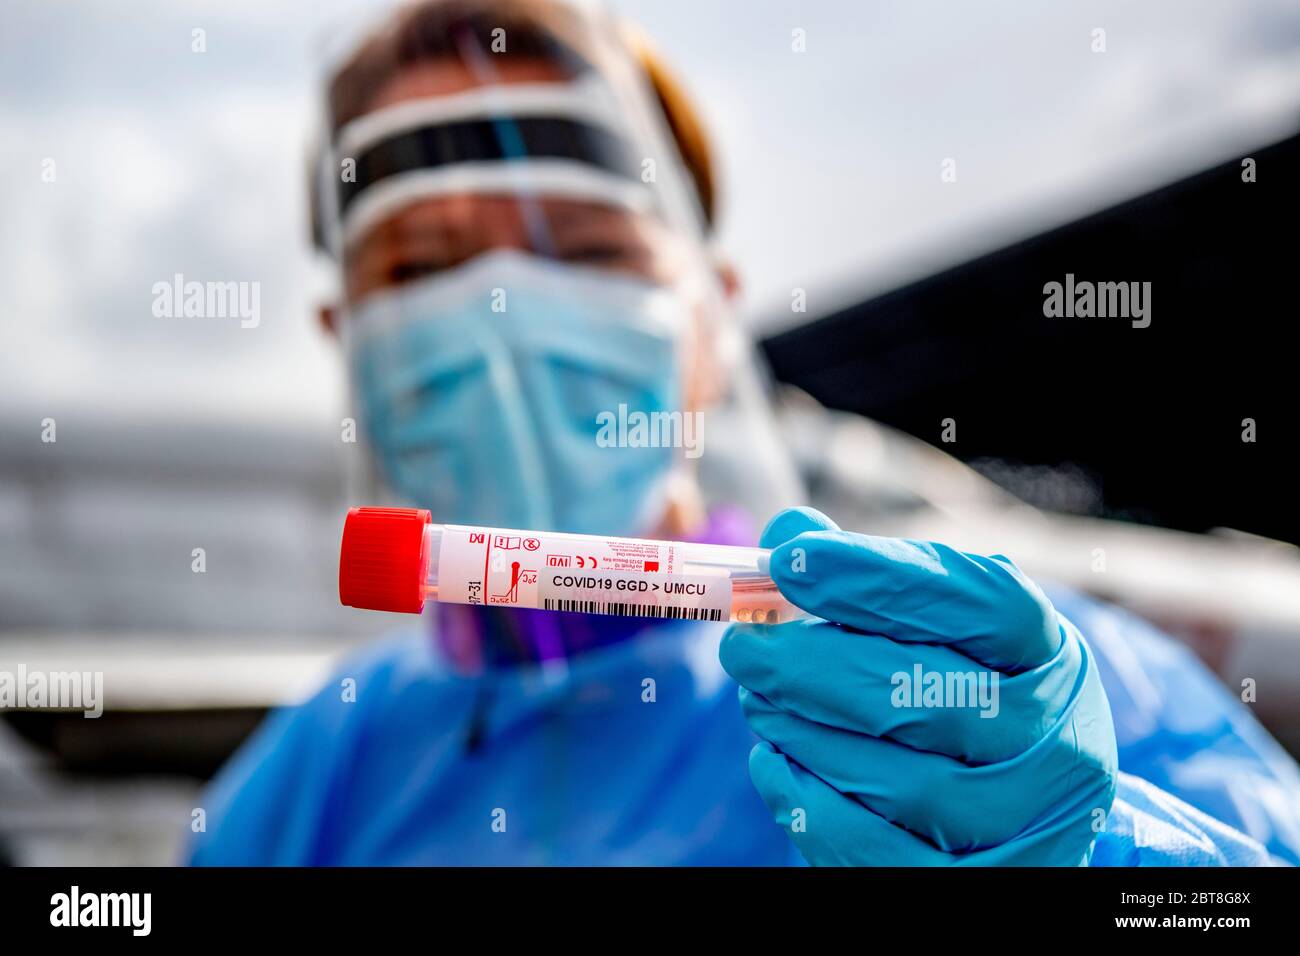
<point x="382" y="564"/>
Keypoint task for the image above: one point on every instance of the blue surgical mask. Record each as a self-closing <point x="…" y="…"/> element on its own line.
<point x="482" y="391"/>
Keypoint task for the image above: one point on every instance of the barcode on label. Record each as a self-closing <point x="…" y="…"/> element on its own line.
<point x="633" y="610"/>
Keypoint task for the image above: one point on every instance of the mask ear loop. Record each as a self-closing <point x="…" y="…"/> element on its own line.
<point x="540" y="237"/>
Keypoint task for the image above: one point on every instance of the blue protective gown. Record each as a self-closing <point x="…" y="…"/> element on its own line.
<point x="574" y="765"/>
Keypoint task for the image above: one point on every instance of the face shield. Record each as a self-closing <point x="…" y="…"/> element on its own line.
<point x="535" y="334"/>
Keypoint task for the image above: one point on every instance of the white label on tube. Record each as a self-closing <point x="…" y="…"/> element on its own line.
<point x="562" y="572"/>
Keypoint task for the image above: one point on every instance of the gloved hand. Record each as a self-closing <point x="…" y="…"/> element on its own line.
<point x="938" y="712"/>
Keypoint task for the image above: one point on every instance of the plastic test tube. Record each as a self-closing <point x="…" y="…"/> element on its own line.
<point x="394" y="559"/>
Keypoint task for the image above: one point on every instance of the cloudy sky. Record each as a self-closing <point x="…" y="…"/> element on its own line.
<point x="168" y="161"/>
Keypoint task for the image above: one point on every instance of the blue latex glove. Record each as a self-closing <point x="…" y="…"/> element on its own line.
<point x="1025" y="777"/>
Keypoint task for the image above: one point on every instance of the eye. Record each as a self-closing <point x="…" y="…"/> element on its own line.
<point x="596" y="253"/>
<point x="410" y="270"/>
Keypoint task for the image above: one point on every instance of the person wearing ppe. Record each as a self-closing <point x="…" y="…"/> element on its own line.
<point x="519" y="196"/>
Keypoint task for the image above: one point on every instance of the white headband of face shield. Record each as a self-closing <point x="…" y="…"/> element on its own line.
<point x="561" y="140"/>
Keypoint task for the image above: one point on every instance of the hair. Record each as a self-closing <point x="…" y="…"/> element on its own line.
<point x="537" y="30"/>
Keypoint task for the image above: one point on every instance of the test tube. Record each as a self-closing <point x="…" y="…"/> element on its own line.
<point x="396" y="559"/>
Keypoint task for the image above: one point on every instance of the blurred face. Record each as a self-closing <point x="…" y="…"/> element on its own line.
<point x="435" y="234"/>
<point x="498" y="422"/>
